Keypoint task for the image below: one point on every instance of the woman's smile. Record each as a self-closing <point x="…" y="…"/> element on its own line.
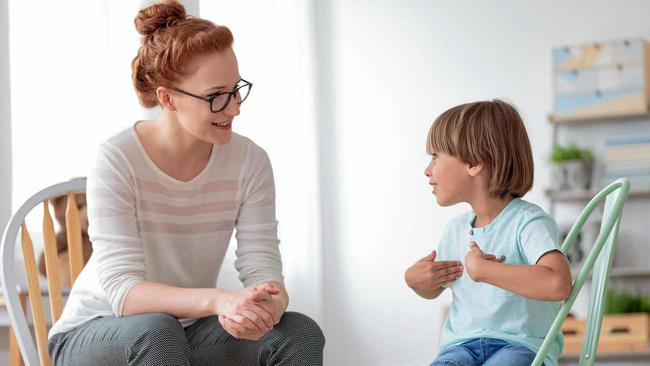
<point x="223" y="125"/>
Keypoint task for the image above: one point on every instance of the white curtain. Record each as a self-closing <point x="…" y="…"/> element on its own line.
<point x="71" y="86"/>
<point x="274" y="46"/>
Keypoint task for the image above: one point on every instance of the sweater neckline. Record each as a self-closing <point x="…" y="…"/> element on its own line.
<point x="166" y="176"/>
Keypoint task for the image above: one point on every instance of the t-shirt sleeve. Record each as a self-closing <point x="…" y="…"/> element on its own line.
<point x="537" y="237"/>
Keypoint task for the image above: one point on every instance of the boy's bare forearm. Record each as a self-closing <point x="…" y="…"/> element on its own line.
<point x="429" y="294"/>
<point x="533" y="281"/>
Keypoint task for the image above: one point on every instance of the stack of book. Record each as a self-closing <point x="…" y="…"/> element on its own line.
<point x="627" y="156"/>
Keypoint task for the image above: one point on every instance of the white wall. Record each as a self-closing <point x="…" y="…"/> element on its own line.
<point x="392" y="68"/>
<point x="71" y="89"/>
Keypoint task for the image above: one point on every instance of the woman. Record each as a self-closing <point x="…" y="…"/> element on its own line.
<point x="163" y="200"/>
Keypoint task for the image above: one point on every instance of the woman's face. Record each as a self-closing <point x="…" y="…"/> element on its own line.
<point x="215" y="72"/>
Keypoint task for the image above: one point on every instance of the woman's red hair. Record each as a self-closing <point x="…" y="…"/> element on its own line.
<point x="171" y="40"/>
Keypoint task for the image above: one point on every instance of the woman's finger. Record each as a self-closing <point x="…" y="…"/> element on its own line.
<point x="264" y="311"/>
<point x="270" y="288"/>
<point x="256" y="319"/>
<point x="260" y="295"/>
<point x="233" y="328"/>
<point x="243" y="321"/>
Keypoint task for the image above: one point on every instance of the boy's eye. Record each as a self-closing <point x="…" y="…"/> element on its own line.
<point x="434" y="156"/>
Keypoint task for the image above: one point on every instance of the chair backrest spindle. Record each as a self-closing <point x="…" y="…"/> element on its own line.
<point x="51" y="264"/>
<point x="75" y="248"/>
<point x="35" y="298"/>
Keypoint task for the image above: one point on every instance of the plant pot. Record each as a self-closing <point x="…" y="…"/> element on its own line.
<point x="572" y="175"/>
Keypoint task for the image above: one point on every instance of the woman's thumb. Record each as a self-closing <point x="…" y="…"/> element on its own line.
<point x="260" y="295"/>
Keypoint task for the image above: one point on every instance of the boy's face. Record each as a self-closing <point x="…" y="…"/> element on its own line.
<point x="449" y="177"/>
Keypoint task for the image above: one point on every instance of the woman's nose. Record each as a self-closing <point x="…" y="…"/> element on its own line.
<point x="232" y="109"/>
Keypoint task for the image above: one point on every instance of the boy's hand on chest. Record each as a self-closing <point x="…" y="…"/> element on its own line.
<point x="475" y="261"/>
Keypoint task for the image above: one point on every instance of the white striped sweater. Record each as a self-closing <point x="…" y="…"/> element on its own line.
<point x="146" y="225"/>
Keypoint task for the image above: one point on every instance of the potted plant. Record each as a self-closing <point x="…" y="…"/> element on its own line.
<point x="572" y="167"/>
<point x="621" y="303"/>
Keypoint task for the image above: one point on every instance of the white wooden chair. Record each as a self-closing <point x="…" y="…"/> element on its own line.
<point x="36" y="352"/>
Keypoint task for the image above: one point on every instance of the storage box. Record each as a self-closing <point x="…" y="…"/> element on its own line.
<point x="601" y="79"/>
<point x="598" y="54"/>
<point x="620" y="333"/>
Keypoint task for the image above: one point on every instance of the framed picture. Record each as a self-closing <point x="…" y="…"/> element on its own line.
<point x="583" y="243"/>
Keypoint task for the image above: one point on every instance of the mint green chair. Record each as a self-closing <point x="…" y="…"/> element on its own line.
<point x="600" y="260"/>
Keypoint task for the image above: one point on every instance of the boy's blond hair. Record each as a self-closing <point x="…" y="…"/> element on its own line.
<point x="489" y="133"/>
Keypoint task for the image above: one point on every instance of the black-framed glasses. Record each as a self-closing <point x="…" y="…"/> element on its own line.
<point x="219" y="100"/>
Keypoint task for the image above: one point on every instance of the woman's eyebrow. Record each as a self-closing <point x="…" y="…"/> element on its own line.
<point x="222" y="86"/>
<point x="216" y="88"/>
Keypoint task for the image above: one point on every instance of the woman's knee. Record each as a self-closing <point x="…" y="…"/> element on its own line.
<point x="157" y="323"/>
<point x="157" y="332"/>
<point x="300" y="327"/>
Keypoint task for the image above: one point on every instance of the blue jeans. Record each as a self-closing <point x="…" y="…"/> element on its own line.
<point x="485" y="351"/>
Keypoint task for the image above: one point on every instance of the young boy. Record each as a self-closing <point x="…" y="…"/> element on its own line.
<point x="502" y="261"/>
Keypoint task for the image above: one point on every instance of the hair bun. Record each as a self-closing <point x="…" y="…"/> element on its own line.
<point x="158" y="16"/>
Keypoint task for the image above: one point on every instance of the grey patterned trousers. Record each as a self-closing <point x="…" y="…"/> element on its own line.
<point x="159" y="339"/>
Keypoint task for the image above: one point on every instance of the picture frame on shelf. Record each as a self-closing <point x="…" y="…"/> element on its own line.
<point x="582" y="245"/>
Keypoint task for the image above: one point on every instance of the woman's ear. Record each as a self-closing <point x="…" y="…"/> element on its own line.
<point x="165" y="98"/>
<point x="474" y="170"/>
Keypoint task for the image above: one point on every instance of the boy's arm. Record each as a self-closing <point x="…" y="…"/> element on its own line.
<point x="429" y="294"/>
<point x="548" y="280"/>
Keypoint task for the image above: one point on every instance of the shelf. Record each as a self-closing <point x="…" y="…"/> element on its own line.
<point x="630" y="272"/>
<point x="585" y="120"/>
<point x="619" y="356"/>
<point x="620" y="272"/>
<point x="587" y="194"/>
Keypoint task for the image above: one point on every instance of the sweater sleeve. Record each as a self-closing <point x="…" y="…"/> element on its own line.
<point x="117" y="247"/>
<point x="258" y="255"/>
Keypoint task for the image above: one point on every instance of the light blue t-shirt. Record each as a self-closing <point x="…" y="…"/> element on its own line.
<point x="520" y="234"/>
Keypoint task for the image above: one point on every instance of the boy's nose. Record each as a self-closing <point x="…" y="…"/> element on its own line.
<point x="426" y="172"/>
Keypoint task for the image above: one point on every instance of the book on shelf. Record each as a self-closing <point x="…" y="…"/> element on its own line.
<point x="627" y="156"/>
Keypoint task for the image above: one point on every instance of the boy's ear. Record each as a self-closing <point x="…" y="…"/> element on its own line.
<point x="474" y="170"/>
<point x="165" y="98"/>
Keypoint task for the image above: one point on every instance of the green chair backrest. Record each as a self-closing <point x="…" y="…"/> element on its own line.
<point x="600" y="260"/>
